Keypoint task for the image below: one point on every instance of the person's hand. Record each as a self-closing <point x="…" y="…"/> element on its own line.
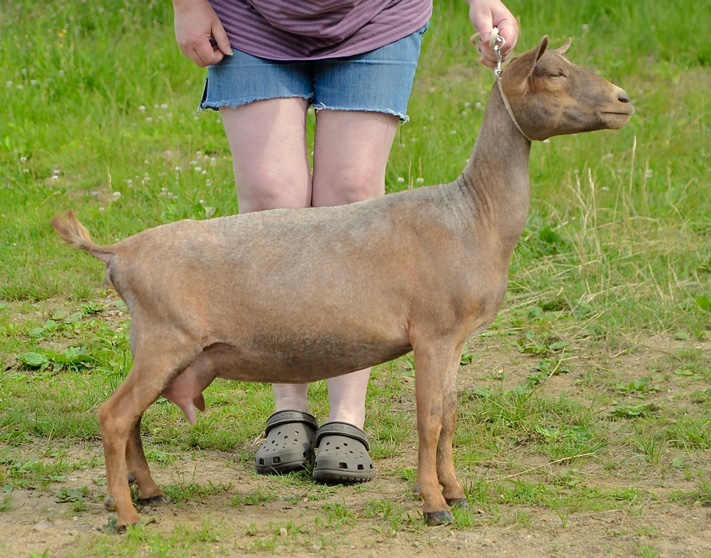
<point x="196" y="23"/>
<point x="487" y="14"/>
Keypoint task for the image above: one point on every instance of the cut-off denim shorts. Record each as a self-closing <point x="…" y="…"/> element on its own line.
<point x="376" y="81"/>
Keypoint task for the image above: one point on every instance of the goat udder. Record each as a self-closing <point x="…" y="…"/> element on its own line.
<point x="186" y="392"/>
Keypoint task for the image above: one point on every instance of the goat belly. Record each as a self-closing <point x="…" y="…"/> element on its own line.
<point x="273" y="359"/>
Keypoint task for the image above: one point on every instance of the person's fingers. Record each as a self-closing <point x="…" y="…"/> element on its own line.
<point x="221" y="39"/>
<point x="204" y="54"/>
<point x="509" y="31"/>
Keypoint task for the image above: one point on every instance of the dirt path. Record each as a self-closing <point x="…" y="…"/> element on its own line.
<point x="296" y="523"/>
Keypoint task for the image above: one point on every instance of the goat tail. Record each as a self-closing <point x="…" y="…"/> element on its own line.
<point x="75" y="234"/>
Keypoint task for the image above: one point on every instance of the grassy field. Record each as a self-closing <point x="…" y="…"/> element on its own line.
<point x="589" y="397"/>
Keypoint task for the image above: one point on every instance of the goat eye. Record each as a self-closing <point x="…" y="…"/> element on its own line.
<point x="556" y="75"/>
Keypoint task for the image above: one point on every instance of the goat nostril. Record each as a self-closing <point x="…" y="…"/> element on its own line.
<point x="622" y="97"/>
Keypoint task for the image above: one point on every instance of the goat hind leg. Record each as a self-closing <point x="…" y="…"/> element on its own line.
<point x="138" y="470"/>
<point x="118" y="418"/>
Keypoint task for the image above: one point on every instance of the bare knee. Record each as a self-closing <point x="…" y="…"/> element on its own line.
<point x="264" y="189"/>
<point x="351" y="183"/>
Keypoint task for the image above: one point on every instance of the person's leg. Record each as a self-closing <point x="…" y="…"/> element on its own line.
<point x="268" y="143"/>
<point x="351" y="150"/>
<point x="263" y="105"/>
<point x="269" y="153"/>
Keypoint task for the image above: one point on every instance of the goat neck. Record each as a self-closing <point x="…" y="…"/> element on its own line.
<point x="496" y="175"/>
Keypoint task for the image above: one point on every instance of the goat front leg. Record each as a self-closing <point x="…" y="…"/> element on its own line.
<point x="432" y="367"/>
<point x="451" y="488"/>
<point x="118" y="418"/>
<point x="138" y="470"/>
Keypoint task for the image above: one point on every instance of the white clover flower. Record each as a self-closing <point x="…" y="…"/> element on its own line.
<point x="400" y="179"/>
<point x="141" y="108"/>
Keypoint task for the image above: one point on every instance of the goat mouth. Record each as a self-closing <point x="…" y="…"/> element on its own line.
<point x="615" y="119"/>
<point x="624" y="110"/>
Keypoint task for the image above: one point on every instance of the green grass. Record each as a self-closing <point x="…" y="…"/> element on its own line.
<point x="562" y="407"/>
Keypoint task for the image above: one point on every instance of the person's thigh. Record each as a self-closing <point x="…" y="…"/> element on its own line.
<point x="351" y="150"/>
<point x="263" y="106"/>
<point x="268" y="144"/>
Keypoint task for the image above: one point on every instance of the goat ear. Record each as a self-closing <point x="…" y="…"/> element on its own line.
<point x="565" y="47"/>
<point x="542" y="47"/>
<point x="522" y="67"/>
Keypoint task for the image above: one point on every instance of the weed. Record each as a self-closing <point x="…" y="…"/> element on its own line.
<point x="259" y="496"/>
<point x="5" y="503"/>
<point x="623" y="410"/>
<point x="338" y="514"/>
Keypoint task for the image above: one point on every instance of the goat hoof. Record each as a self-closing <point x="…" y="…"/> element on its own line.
<point x="417" y="489"/>
<point x="154" y="500"/>
<point x="110" y="503"/>
<point x="462" y="503"/>
<point x="131" y="478"/>
<point x="443" y="517"/>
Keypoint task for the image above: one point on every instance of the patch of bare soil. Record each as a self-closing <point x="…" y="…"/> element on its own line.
<point x="305" y="520"/>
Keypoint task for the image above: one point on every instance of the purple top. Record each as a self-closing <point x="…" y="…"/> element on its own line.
<point x="312" y="30"/>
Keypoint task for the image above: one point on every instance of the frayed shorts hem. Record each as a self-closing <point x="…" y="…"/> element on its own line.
<point x="404" y="118"/>
<point x="217" y="105"/>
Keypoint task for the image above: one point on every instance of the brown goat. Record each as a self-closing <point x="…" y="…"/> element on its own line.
<point x="339" y="289"/>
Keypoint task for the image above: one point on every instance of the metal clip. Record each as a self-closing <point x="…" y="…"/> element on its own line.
<point x="497" y="42"/>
